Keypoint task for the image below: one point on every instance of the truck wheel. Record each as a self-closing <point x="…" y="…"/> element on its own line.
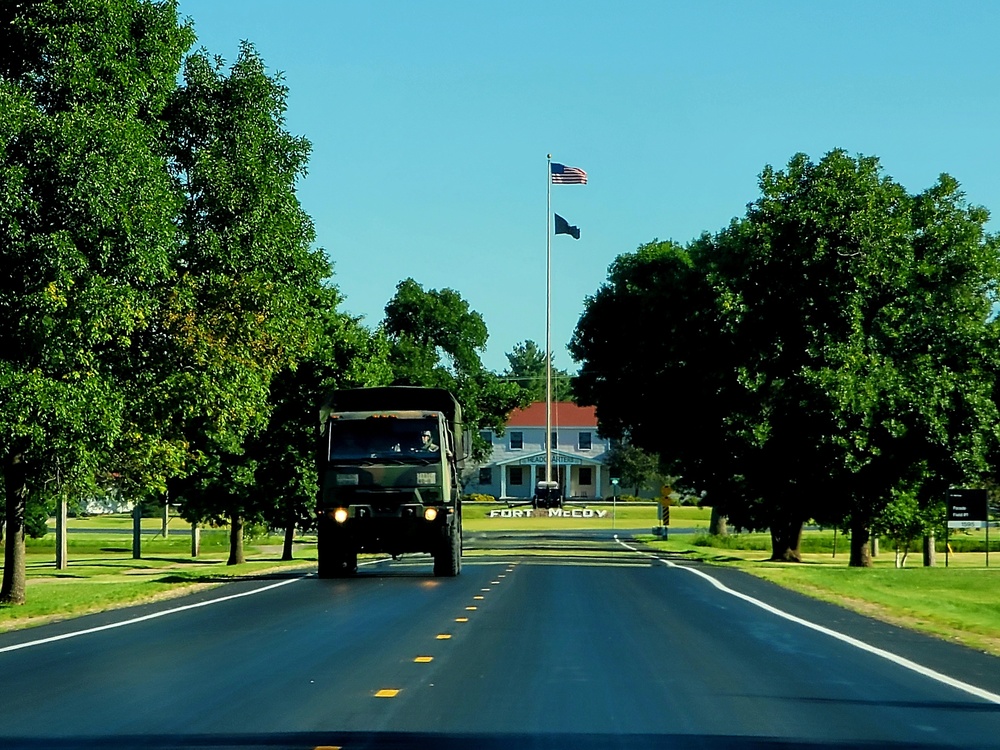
<point x="337" y="564"/>
<point x="448" y="558"/>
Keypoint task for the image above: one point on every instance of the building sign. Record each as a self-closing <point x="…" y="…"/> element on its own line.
<point x="560" y="459"/>
<point x="547" y="513"/>
<point x="967" y="509"/>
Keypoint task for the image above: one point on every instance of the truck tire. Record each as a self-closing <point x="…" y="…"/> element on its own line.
<point x="336" y="563"/>
<point x="448" y="558"/>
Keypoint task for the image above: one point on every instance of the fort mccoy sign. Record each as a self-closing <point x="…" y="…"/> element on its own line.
<point x="547" y="513"/>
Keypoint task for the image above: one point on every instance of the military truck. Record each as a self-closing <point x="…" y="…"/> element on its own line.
<point x="389" y="463"/>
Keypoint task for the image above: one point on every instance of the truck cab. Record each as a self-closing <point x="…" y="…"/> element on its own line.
<point x="389" y="466"/>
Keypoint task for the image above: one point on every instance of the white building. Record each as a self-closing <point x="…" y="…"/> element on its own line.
<point x="518" y="460"/>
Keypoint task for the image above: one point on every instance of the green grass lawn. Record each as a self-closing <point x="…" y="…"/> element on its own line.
<point x="101" y="573"/>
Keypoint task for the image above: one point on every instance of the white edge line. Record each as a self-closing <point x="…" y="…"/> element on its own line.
<point x="888" y="655"/>
<point x="163" y="613"/>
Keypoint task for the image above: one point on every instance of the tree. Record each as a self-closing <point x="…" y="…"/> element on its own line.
<point x="903" y="522"/>
<point x="347" y="355"/>
<point x="435" y="341"/>
<point x="824" y="352"/>
<point x="658" y="360"/>
<point x="246" y="275"/>
<point x="874" y="353"/>
<point x="86" y="233"/>
<point x="527" y="369"/>
<point x="636" y="467"/>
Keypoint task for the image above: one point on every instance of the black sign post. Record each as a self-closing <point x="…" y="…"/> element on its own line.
<point x="967" y="509"/>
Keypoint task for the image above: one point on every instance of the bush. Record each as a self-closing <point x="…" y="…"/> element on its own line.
<point x="477" y="497"/>
<point x="36" y="520"/>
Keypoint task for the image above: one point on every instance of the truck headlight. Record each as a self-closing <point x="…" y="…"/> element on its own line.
<point x="340" y="515"/>
<point x="430" y="514"/>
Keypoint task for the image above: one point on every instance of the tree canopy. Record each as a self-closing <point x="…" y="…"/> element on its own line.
<point x="436" y="340"/>
<point x="247" y="302"/>
<point x="830" y="349"/>
<point x="527" y="369"/>
<point x="87" y="234"/>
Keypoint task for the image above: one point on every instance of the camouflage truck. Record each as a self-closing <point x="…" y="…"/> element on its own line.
<point x="389" y="462"/>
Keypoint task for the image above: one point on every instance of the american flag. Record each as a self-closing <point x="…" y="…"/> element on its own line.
<point x="563" y="175"/>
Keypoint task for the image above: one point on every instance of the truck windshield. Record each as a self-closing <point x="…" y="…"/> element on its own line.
<point x="383" y="437"/>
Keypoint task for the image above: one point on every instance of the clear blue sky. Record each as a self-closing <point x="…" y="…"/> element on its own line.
<point x="431" y="119"/>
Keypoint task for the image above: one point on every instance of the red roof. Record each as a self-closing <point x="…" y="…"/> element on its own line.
<point x="564" y="414"/>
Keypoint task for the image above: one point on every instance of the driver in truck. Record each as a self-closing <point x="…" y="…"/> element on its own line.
<point x="427" y="442"/>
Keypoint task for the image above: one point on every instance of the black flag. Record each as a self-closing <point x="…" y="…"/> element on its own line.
<point x="563" y="227"/>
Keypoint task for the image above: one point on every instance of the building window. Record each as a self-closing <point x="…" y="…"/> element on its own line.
<point x="516" y="475"/>
<point x="585" y="441"/>
<point x="586" y="474"/>
<point x="486" y="475"/>
<point x="487" y="436"/>
<point x="555" y="440"/>
<point x="516" y="441"/>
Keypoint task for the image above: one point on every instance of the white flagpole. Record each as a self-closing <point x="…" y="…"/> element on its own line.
<point x="548" y="320"/>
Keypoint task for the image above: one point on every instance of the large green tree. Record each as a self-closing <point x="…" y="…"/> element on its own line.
<point x="814" y="359"/>
<point x="247" y="277"/>
<point x="436" y="341"/>
<point x="86" y="235"/>
<point x="527" y="369"/>
<point x="862" y="315"/>
<point x="635" y="467"/>
<point x="658" y="363"/>
<point x="347" y="355"/>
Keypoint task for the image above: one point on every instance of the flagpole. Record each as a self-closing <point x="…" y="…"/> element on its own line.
<point x="548" y="320"/>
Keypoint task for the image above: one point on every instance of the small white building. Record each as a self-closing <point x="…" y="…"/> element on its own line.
<point x="518" y="459"/>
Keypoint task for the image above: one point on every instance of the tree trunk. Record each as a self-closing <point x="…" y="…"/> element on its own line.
<point x="930" y="553"/>
<point x="786" y="535"/>
<point x="13" y="587"/>
<point x="236" y="555"/>
<point x="717" y="526"/>
<point x="860" y="550"/>
<point x="286" y="550"/>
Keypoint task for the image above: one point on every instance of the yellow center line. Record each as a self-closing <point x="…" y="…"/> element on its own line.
<point x="472" y="609"/>
<point x="387" y="693"/>
<point x="424" y="659"/>
<point x="461" y="619"/>
<point x="479" y="597"/>
<point x="443" y="636"/>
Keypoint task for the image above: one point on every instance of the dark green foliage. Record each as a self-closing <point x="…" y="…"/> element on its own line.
<point x="527" y="370"/>
<point x="87" y="229"/>
<point x="436" y="341"/>
<point x="245" y="304"/>
<point x="817" y="357"/>
<point x="635" y="467"/>
<point x="286" y="481"/>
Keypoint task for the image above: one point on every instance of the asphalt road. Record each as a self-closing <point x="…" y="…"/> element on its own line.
<point x="569" y="641"/>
